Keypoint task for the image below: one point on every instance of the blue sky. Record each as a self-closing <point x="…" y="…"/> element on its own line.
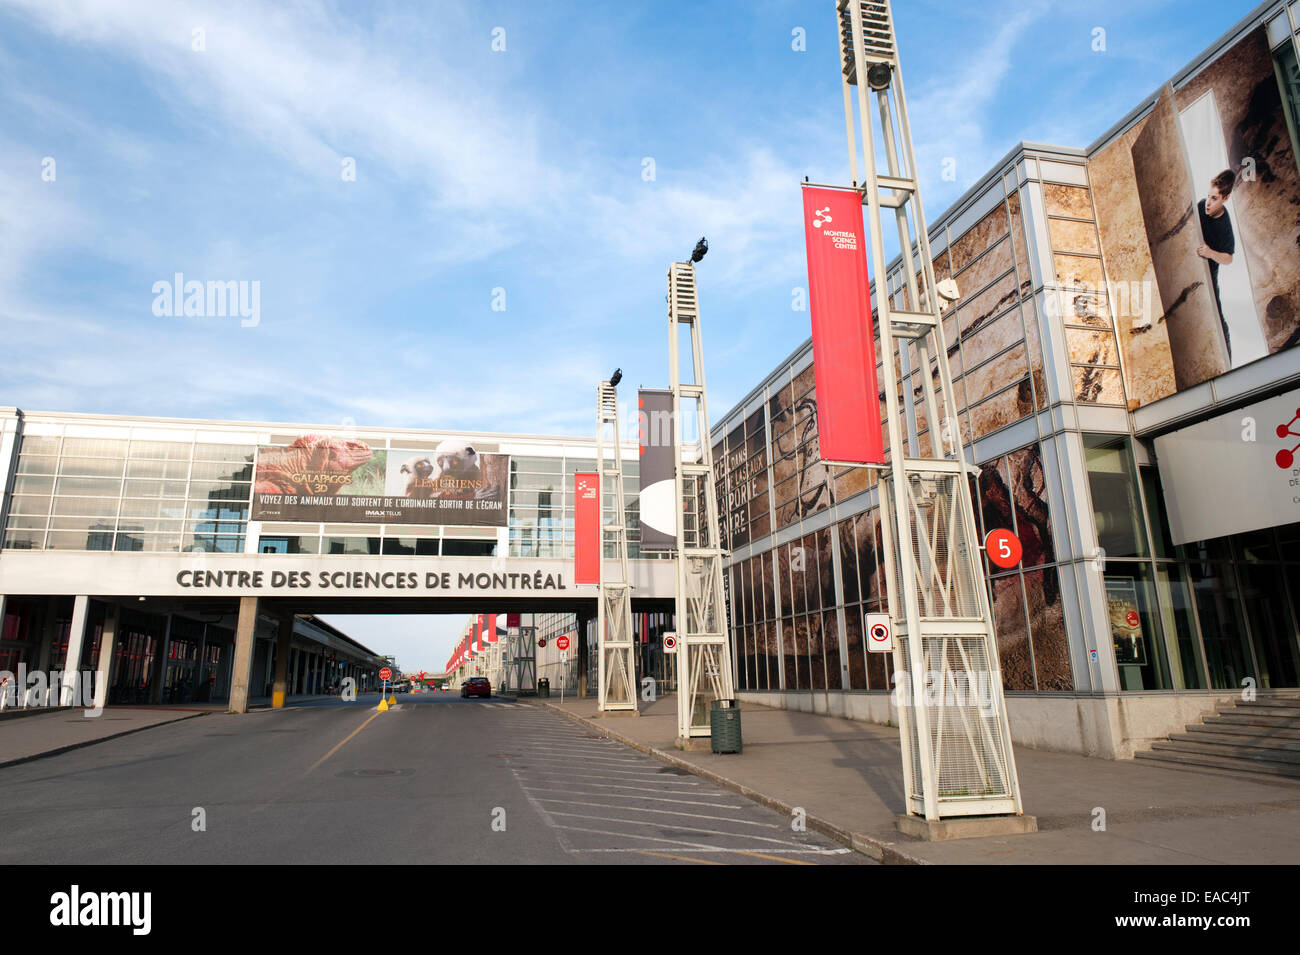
<point x="477" y="170"/>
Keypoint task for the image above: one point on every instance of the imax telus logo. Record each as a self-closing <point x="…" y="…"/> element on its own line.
<point x="76" y="908"/>
<point x="195" y="299"/>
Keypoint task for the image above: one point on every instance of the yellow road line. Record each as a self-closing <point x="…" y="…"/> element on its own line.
<point x="344" y="740"/>
<point x="665" y="855"/>
<point x="761" y="855"/>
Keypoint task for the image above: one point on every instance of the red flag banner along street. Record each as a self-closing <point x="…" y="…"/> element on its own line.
<point x="844" y="357"/>
<point x="492" y="628"/>
<point x="586" y="528"/>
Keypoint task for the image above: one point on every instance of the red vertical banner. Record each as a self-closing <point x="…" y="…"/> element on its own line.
<point x="844" y="355"/>
<point x="478" y="633"/>
<point x="586" y="528"/>
<point x="492" y="628"/>
<point x="512" y="620"/>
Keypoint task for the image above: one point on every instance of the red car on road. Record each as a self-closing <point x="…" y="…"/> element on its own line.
<point x="476" y="686"/>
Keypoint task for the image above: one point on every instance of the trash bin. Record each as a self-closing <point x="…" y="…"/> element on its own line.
<point x="724" y="726"/>
<point x="544" y="687"/>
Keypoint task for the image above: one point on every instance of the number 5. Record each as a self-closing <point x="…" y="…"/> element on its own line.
<point x="1004" y="548"/>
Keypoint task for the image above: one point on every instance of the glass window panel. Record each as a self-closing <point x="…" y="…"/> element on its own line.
<point x="28" y="504"/>
<point x="1051" y="646"/>
<point x="88" y="506"/>
<point x="161" y="450"/>
<point x="206" y="543"/>
<point x="1013" y="639"/>
<point x="1135" y="628"/>
<point x="16" y="539"/>
<point x="140" y="488"/>
<point x="209" y="490"/>
<point x="853" y="643"/>
<point x="28" y="484"/>
<point x="94" y="447"/>
<point x="232" y="453"/>
<point x="536" y="465"/>
<point x="350" y="545"/>
<point x="156" y="507"/>
<point x="36" y="464"/>
<point x="174" y="470"/>
<point x="1223" y="629"/>
<point x="849" y="582"/>
<point x="32" y="444"/>
<point x="1115" y="502"/>
<point x="79" y="540"/>
<point x="1029" y="492"/>
<point x="220" y="471"/>
<point x="91" y="467"/>
<point x="1264" y="592"/>
<point x="816" y="652"/>
<point x="89" y="487"/>
<point x="825" y="568"/>
<point x="148" y="542"/>
<point x="795" y="675"/>
<point x="1176" y="614"/>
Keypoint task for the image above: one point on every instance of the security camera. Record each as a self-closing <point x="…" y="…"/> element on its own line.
<point x="948" y="293"/>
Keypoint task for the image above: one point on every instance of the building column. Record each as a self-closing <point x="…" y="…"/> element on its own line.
<point x="245" y="637"/>
<point x="72" y="662"/>
<point x="283" y="644"/>
<point x="107" y="644"/>
<point x="160" y="665"/>
<point x="582" y="653"/>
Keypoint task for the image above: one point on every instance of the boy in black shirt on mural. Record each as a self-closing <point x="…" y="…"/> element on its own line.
<point x="1218" y="242"/>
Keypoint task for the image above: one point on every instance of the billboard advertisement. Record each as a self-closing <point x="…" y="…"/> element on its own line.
<point x="586" y="528"/>
<point x="322" y="478"/>
<point x="658" y="488"/>
<point x="1196" y="205"/>
<point x="1234" y="473"/>
<point x="844" y="352"/>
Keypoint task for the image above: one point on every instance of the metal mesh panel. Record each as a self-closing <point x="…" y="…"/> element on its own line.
<point x="961" y="697"/>
<point x="943" y="567"/>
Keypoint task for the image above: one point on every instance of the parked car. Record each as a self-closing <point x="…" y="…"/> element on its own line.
<point x="476" y="686"/>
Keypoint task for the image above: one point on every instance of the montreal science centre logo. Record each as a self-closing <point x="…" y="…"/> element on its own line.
<point x="1286" y="457"/>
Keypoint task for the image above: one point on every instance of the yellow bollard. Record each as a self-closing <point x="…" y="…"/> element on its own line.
<point x="383" y="705"/>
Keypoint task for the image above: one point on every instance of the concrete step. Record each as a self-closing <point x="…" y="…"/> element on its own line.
<point x="1265" y="731"/>
<point x="1221" y="762"/>
<point x="1248" y="719"/>
<point x="1252" y="753"/>
<point x="1223" y="739"/>
<point x="1262" y="708"/>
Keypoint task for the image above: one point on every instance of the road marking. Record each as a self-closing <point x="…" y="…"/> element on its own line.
<point x="762" y="855"/>
<point x="675" y="802"/>
<point x="667" y="812"/>
<point x="339" y="745"/>
<point x="674" y="826"/>
<point x="666" y="855"/>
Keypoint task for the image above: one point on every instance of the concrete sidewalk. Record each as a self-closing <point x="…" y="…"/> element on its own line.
<point x="847" y="776"/>
<point x="47" y="731"/>
<point x="58" y="730"/>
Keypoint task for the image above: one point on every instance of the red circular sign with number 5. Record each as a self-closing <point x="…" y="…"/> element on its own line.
<point x="1003" y="548"/>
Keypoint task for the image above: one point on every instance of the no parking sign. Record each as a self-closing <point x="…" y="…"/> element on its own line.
<point x="670" y="643"/>
<point x="880" y="633"/>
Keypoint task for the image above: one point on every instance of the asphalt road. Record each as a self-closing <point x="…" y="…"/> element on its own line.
<point x="435" y="779"/>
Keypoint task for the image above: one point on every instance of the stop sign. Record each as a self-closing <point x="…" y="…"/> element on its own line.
<point x="385" y="674"/>
<point x="562" y="643"/>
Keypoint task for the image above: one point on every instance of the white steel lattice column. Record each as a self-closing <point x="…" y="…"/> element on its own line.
<point x="617" y="665"/>
<point x="956" y="742"/>
<point x="703" y="644"/>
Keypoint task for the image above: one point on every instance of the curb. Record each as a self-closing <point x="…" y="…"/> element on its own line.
<point x="92" y="742"/>
<point x="875" y="848"/>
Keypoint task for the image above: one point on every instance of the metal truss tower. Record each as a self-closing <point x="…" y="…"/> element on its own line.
<point x="703" y="644"/>
<point x="957" y="758"/>
<point x="617" y="664"/>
